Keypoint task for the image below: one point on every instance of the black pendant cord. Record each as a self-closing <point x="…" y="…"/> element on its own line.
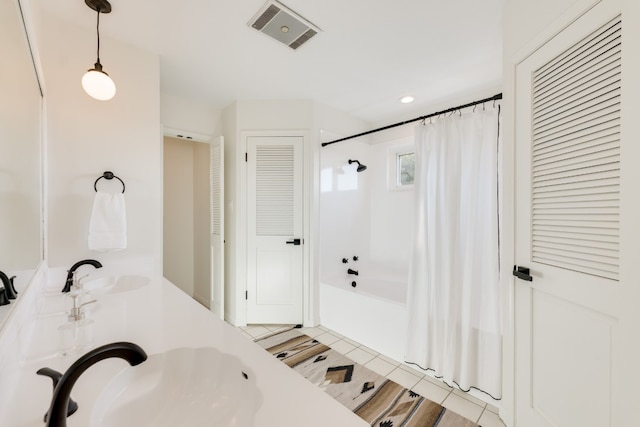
<point x="98" y="33"/>
<point x="496" y="97"/>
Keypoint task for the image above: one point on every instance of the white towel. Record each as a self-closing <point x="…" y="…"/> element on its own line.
<point x="108" y="224"/>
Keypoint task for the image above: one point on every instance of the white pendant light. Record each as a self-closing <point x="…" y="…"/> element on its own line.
<point x="96" y="82"/>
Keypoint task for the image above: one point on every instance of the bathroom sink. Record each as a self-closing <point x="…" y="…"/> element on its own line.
<point x="53" y="302"/>
<point x="181" y="387"/>
<point x="115" y="284"/>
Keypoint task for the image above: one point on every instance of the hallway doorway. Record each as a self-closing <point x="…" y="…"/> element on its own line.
<point x="187" y="219"/>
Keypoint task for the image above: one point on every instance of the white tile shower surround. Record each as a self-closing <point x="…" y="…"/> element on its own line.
<point x="455" y="400"/>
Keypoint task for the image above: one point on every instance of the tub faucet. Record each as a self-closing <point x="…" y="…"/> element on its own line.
<point x="69" y="282"/>
<point x="354" y="272"/>
<point x="57" y="414"/>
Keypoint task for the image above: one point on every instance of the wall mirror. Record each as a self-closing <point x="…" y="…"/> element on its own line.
<point x="20" y="150"/>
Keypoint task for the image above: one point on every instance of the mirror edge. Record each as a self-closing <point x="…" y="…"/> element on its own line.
<point x="23" y="284"/>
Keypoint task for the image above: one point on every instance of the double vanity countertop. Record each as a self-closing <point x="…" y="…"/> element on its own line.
<point x="158" y="317"/>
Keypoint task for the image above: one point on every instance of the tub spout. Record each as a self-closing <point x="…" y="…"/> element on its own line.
<point x="354" y="272"/>
<point x="57" y="414"/>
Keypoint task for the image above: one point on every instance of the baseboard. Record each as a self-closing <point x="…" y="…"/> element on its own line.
<point x="204" y="301"/>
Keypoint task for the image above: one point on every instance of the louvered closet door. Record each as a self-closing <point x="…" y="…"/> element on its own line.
<point x="567" y="223"/>
<point x="274" y="260"/>
<point x="217" y="227"/>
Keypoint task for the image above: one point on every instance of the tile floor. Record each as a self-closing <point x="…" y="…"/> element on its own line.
<point x="462" y="403"/>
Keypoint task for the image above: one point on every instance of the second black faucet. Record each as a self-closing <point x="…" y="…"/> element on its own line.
<point x="69" y="282"/>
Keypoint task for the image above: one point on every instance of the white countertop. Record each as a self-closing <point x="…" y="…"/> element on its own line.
<point x="159" y="317"/>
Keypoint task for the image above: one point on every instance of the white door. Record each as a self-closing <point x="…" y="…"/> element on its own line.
<point x="217" y="227"/>
<point x="274" y="232"/>
<point x="567" y="224"/>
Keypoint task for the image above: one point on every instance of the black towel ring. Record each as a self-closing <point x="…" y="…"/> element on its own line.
<point x="107" y="175"/>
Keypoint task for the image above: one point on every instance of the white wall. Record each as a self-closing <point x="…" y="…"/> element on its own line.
<point x="360" y="214"/>
<point x="229" y="130"/>
<point x="524" y="21"/>
<point x="87" y="137"/>
<point x="329" y="124"/>
<point x="345" y="211"/>
<point x="392" y="213"/>
<point x="189" y="116"/>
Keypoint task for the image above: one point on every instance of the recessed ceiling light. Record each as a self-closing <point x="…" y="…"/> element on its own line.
<point x="407" y="99"/>
<point x="284" y="29"/>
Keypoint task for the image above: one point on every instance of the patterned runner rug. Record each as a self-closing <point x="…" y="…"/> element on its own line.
<point x="374" y="398"/>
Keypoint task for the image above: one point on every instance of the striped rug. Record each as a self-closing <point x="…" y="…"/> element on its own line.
<point x="374" y="398"/>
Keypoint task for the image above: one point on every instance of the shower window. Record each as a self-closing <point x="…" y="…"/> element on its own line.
<point x="406" y="169"/>
<point x="401" y="166"/>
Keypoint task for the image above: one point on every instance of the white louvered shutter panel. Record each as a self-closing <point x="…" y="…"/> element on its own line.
<point x="274" y="190"/>
<point x="576" y="156"/>
<point x="216" y="189"/>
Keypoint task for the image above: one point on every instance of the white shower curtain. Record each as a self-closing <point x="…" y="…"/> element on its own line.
<point x="453" y="301"/>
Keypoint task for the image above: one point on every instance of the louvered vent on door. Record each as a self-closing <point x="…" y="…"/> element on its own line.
<point x="576" y="156"/>
<point x="216" y="189"/>
<point x="274" y="190"/>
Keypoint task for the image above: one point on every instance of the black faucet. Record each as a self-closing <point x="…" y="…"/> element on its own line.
<point x="4" y="296"/>
<point x="72" y="271"/>
<point x="55" y="378"/>
<point x="57" y="414"/>
<point x="354" y="272"/>
<point x="9" y="291"/>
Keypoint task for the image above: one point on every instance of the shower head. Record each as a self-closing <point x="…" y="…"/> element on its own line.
<point x="361" y="167"/>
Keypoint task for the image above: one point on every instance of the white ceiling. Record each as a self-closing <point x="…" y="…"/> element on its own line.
<point x="369" y="54"/>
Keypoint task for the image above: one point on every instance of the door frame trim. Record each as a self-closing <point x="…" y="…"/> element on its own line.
<point x="241" y="211"/>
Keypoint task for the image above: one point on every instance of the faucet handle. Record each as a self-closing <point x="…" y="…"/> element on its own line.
<point x="77" y="281"/>
<point x="77" y="312"/>
<point x="10" y="291"/>
<point x="87" y="303"/>
<point x="55" y="378"/>
<point x="13" y="286"/>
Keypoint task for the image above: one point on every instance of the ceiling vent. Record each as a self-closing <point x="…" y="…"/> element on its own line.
<point x="281" y="23"/>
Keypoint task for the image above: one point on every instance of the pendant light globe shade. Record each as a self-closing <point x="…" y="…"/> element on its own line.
<point x="98" y="84"/>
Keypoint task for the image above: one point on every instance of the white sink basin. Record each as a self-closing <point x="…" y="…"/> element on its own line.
<point x="115" y="284"/>
<point x="182" y="387"/>
<point x="53" y="302"/>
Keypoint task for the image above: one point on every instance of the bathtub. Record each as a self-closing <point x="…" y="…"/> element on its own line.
<point x="374" y="313"/>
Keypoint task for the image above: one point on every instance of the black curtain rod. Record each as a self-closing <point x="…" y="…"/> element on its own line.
<point x="496" y="97"/>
